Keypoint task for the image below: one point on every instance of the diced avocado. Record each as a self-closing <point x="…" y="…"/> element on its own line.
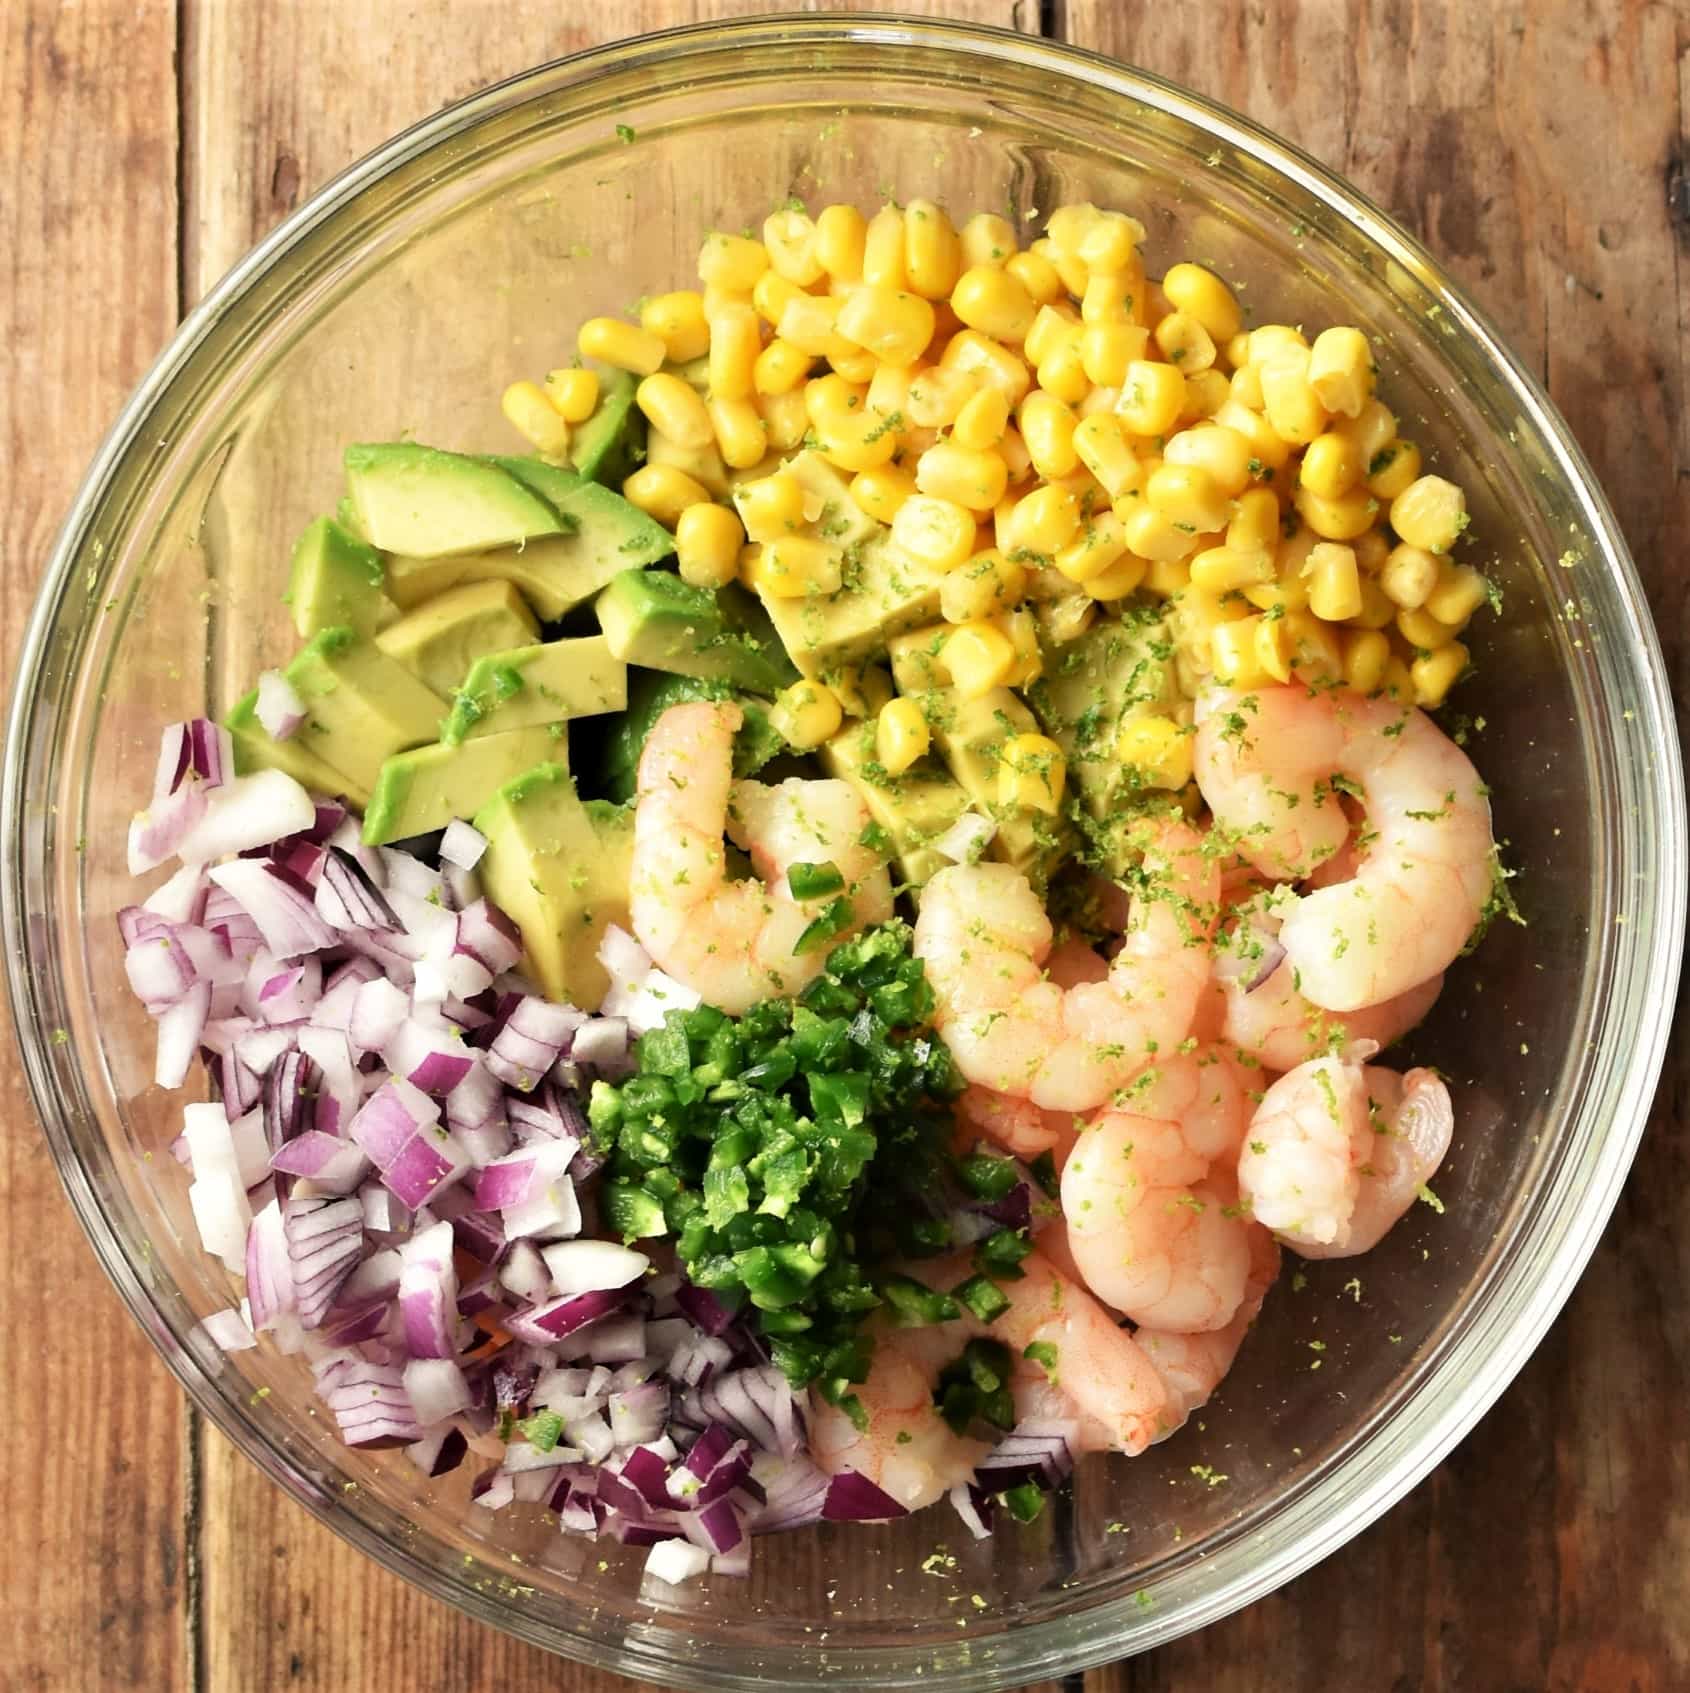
<point x="884" y="595"/>
<point x="360" y="706"/>
<point x="559" y="869"/>
<point x="347" y="518"/>
<point x="610" y="445"/>
<point x="424" y="789"/>
<point x="912" y="808"/>
<point x="254" y="750"/>
<point x="916" y="662"/>
<point x="1115" y="671"/>
<point x="838" y="517"/>
<point x="548" y="683"/>
<point x="969" y="735"/>
<point x="427" y="503"/>
<point x="444" y="636"/>
<point x="653" y="618"/>
<point x="650" y="694"/>
<point x="336" y="580"/>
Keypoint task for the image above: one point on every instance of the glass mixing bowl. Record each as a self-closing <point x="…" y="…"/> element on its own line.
<point x="461" y="256"/>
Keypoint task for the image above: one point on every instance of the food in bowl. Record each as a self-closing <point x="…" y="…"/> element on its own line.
<point x="801" y="948"/>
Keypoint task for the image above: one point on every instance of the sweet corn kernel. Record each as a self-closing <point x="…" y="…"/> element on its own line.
<point x="1031" y="773"/>
<point x="862" y="690"/>
<point x="771" y="507"/>
<point x="677" y="320"/>
<point x="855" y="364"/>
<point x="1015" y="454"/>
<point x="789" y="238"/>
<point x="840" y="234"/>
<point x="1115" y="297"/>
<point x="937" y="394"/>
<point x="1459" y="592"/>
<point x="1378" y="611"/>
<point x="715" y="299"/>
<point x="772" y="295"/>
<point x="739" y="433"/>
<point x="1187" y="495"/>
<point x="1430" y="513"/>
<point x="1331" y="466"/>
<point x="932" y="253"/>
<point x="936" y="534"/>
<point x="1293" y="408"/>
<point x="1288" y="591"/>
<point x="881" y="492"/>
<point x="1223" y="570"/>
<point x="987" y="239"/>
<point x="901" y="735"/>
<point x="1167" y="576"/>
<point x="1373" y="428"/>
<point x="994" y="301"/>
<point x="883" y="250"/>
<point x="1205" y="393"/>
<point x="703" y="464"/>
<point x="1047" y="426"/>
<point x="784" y="419"/>
<point x="986" y="586"/>
<point x="1423" y="631"/>
<point x="1044" y="522"/>
<point x="535" y="418"/>
<point x="1022" y="628"/>
<point x="994" y="364"/>
<point x="969" y="476"/>
<point x="1246" y="386"/>
<point x="1317" y="650"/>
<point x="1266" y="448"/>
<point x="1151" y="397"/>
<point x="1052" y="327"/>
<point x="663" y="492"/>
<point x="806" y="714"/>
<point x="1395" y="467"/>
<point x="1398" y="684"/>
<point x="1063" y="373"/>
<point x="810" y="322"/>
<point x="1341" y="370"/>
<point x="1273" y="340"/>
<point x="1408" y="576"/>
<point x="1366" y="654"/>
<point x="1212" y="447"/>
<point x="979" y="657"/>
<point x="779" y="368"/>
<point x="614" y="342"/>
<point x="889" y="389"/>
<point x="1185" y="342"/>
<point x="1200" y="294"/>
<point x="1156" y="749"/>
<point x="1106" y="349"/>
<point x="1372" y="549"/>
<point x="890" y="323"/>
<point x="1275" y="648"/>
<point x="1233" y="655"/>
<point x="1236" y="350"/>
<point x="1109" y="243"/>
<point x="849" y="434"/>
<point x="1342" y="519"/>
<point x="674" y="408"/>
<point x="573" y="392"/>
<point x="1334" y="582"/>
<point x="707" y="543"/>
<point x="1066" y="227"/>
<point x="797" y="567"/>
<point x="1037" y="275"/>
<point x="732" y="262"/>
<point x="981" y="422"/>
<point x="1255" y="520"/>
<point x="1433" y="674"/>
<point x="736" y="338"/>
<point x="1152" y="534"/>
<point x="1101" y="446"/>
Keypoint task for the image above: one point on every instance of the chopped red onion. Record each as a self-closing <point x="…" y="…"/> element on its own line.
<point x="462" y="845"/>
<point x="249" y="811"/>
<point x="966" y="839"/>
<point x="1037" y="1451"/>
<point x="179" y="1031"/>
<point x="325" y="1237"/>
<point x="228" y="1332"/>
<point x="557" y="1318"/>
<point x="589" y="1266"/>
<point x="277" y="903"/>
<point x="535" y="1036"/>
<point x="975" y="1509"/>
<point x="332" y="1164"/>
<point x="348" y="898"/>
<point x="269" y="1270"/>
<point x="279" y="707"/>
<point x="439" y="1451"/>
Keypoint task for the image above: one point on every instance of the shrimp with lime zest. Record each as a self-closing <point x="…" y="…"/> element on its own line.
<point x="1339" y="1149"/>
<point x="1273" y="765"/>
<point x="738" y="942"/>
<point x="1149" y="1200"/>
<point x="984" y="938"/>
<point x="1018" y="1125"/>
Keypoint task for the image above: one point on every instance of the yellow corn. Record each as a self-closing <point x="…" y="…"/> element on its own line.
<point x="1063" y="373"/>
<point x="1106" y="349"/>
<point x="1430" y="513"/>
<point x="715" y="299"/>
<point x="614" y="342"/>
<point x="1157" y="750"/>
<point x="1377" y="608"/>
<point x="1459" y="592"/>
<point x="1101" y="544"/>
<point x="840" y="234"/>
<point x="1224" y="570"/>
<point x="1015" y="454"/>
<point x="1372" y="429"/>
<point x="979" y="355"/>
<point x="893" y="325"/>
<point x="797" y="567"/>
<point x="1289" y="589"/>
<point x="1031" y="772"/>
<point x="995" y="301"/>
<point x="1101" y="446"/>
<point x="881" y="492"/>
<point x="1395" y="467"/>
<point x="772" y="506"/>
<point x="1293" y="408"/>
<point x="1341" y="370"/>
<point x="779" y="368"/>
<point x="732" y="262"/>
<point x="901" y="735"/>
<point x="1255" y="520"/>
<point x="855" y="364"/>
<point x="1366" y="654"/>
<point x="784" y="418"/>
<point x="1022" y="628"/>
<point x="1125" y="576"/>
<point x="738" y="432"/>
<point x="1205" y="393"/>
<point x="1047" y="426"/>
<point x="1115" y="297"/>
<point x="861" y="689"/>
<point x="1044" y="522"/>
<point x="1318" y="653"/>
<point x="1372" y="549"/>
<point x="1187" y="495"/>
<point x="1423" y="631"/>
<point x="535" y="418"/>
<point x="707" y="543"/>
<point x="674" y="408"/>
<point x="1331" y="466"/>
<point x="1275" y="648"/>
<point x="772" y="295"/>
<point x="1221" y="452"/>
<point x="736" y="338"/>
<point x="1152" y="534"/>
<point x="1246" y="386"/>
<point x="810" y="322"/>
<point x="889" y="390"/>
<point x="1233" y="653"/>
<point x="789" y="238"/>
<point x="849" y="434"/>
<point x="1266" y="447"/>
<point x="932" y="253"/>
<point x="1167" y="577"/>
<point x="987" y="585"/>
<point x="1109" y="243"/>
<point x="1408" y="576"/>
<point x="1185" y="342"/>
<point x="979" y="657"/>
<point x="1151" y="397"/>
<point x="1275" y="340"/>
<point x="1037" y="275"/>
<point x="987" y="239"/>
<point x="1398" y="684"/>
<point x="703" y="464"/>
<point x="936" y="396"/>
<point x="806" y="714"/>
<point x="1066" y="227"/>
<point x="1342" y="519"/>
<point x="1334" y="582"/>
<point x="969" y="476"/>
<point x="1237" y="348"/>
<point x="1433" y="674"/>
<point x="1052" y="327"/>
<point x="982" y="420"/>
<point x="936" y="534"/>
<point x="677" y="320"/>
<point x="573" y="392"/>
<point x="883" y="250"/>
<point x="1200" y="294"/>
<point x="663" y="492"/>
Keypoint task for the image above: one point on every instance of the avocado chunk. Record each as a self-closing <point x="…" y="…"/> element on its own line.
<point x="838" y="518"/>
<point x="427" y="503"/>
<point x="336" y="580"/>
<point x="255" y="750"/>
<point x="360" y="706"/>
<point x="650" y="694"/>
<point x="424" y="789"/>
<point x="444" y="636"/>
<point x="652" y="618"/>
<point x="609" y="447"/>
<point x="548" y="683"/>
<point x="912" y="808"/>
<point x="559" y="869"/>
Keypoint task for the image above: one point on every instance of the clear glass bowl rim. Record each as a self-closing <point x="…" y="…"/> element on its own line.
<point x="1474" y="1370"/>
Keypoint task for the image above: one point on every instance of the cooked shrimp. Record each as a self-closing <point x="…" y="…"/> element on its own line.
<point x="1191" y="1365"/>
<point x="1151" y="1208"/>
<point x="732" y="941"/>
<point x="1338" y="1150"/>
<point x="908" y="1450"/>
<point x="984" y="937"/>
<point x="1018" y="1125"/>
<point x="1267" y="763"/>
<point x="1072" y="961"/>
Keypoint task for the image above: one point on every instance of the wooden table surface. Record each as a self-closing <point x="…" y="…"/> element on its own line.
<point x="1540" y="148"/>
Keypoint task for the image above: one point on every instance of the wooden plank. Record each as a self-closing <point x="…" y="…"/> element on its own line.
<point x="91" y="1470"/>
<point x="1540" y="151"/>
